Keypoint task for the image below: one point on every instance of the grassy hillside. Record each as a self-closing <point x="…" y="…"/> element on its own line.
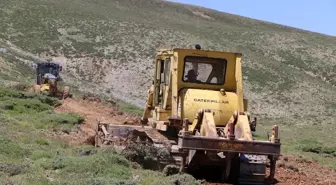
<point x="30" y="155"/>
<point x="108" y="47"/>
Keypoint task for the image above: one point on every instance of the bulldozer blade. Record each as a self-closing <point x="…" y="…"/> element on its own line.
<point x="227" y="145"/>
<point x="124" y="136"/>
<point x="111" y="133"/>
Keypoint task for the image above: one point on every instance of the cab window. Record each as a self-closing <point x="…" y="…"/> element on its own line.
<point x="204" y="70"/>
<point x="167" y="71"/>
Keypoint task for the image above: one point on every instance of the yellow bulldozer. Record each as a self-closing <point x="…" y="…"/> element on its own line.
<point x="197" y="110"/>
<point x="48" y="78"/>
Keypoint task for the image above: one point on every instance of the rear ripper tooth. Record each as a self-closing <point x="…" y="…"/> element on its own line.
<point x="252" y="169"/>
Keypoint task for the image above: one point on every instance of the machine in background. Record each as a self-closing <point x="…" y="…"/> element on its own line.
<point x="48" y="80"/>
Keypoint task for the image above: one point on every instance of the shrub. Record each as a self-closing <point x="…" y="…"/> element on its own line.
<point x="71" y="119"/>
<point x="130" y="108"/>
<point x="42" y="141"/>
<point x="316" y="147"/>
<point x="40" y="154"/>
<point x="183" y="179"/>
<point x="20" y="86"/>
<point x="24" y="105"/>
<point x="147" y="156"/>
<point x="96" y="165"/>
<point x="10" y="149"/>
<point x="148" y="177"/>
<point x="13" y="168"/>
<point x="6" y="94"/>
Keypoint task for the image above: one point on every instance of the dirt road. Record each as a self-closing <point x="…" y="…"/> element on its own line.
<point x="291" y="170"/>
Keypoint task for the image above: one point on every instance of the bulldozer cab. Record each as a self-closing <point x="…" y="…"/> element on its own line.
<point x="180" y="70"/>
<point x="47" y="68"/>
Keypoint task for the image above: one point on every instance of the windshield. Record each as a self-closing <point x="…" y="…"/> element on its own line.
<point x="48" y="69"/>
<point x="204" y="70"/>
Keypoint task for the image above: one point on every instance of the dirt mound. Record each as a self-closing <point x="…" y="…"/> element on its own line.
<point x="93" y="110"/>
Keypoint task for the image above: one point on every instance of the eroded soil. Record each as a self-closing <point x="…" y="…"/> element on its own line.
<point x="93" y="111"/>
<point x="292" y="170"/>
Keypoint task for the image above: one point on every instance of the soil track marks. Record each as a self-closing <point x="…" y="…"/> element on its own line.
<point x="291" y="170"/>
<point x="93" y="111"/>
<point x="294" y="170"/>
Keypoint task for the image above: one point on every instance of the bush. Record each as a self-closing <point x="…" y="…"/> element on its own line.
<point x="35" y="111"/>
<point x="317" y="147"/>
<point x="10" y="149"/>
<point x="183" y="179"/>
<point x="99" y="165"/>
<point x="71" y="119"/>
<point x="42" y="141"/>
<point x="86" y="150"/>
<point x="12" y="169"/>
<point x="40" y="154"/>
<point x="148" y="177"/>
<point x="130" y="108"/>
<point x="147" y="156"/>
<point x="20" y="86"/>
<point x="24" y="105"/>
<point x="6" y="94"/>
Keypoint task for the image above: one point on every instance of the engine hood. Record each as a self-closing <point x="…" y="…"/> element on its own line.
<point x="222" y="104"/>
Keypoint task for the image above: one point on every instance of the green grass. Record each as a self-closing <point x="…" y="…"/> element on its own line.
<point x="64" y="165"/>
<point x="14" y="69"/>
<point x="31" y="110"/>
<point x="317" y="147"/>
<point x="313" y="142"/>
<point x="130" y="108"/>
<point x="28" y="156"/>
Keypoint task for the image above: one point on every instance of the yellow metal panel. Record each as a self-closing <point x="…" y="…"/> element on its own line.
<point x="243" y="130"/>
<point x="208" y="127"/>
<point x="45" y="87"/>
<point x="175" y="87"/>
<point x="162" y="115"/>
<point x="222" y="105"/>
<point x="239" y="83"/>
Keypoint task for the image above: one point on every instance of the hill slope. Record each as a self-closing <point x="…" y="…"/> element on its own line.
<point x="108" y="46"/>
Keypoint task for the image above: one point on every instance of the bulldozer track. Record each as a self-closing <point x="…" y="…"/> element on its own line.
<point x="252" y="168"/>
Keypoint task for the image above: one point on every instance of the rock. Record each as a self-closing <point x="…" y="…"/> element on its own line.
<point x="3" y="50"/>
